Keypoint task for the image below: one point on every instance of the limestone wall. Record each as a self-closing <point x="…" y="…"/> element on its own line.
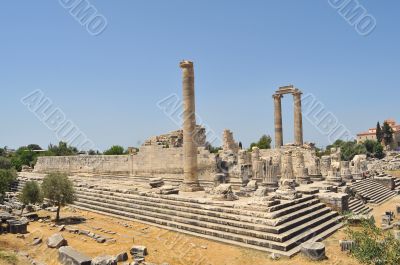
<point x="83" y="164"/>
<point x="149" y="161"/>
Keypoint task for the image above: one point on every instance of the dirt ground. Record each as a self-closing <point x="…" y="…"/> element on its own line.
<point x="395" y="173"/>
<point x="163" y="245"/>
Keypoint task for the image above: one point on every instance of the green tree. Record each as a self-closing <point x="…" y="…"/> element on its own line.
<point x="374" y="246"/>
<point x="26" y="156"/>
<point x="263" y="143"/>
<point x="374" y="149"/>
<point x="211" y="148"/>
<point x="2" y="152"/>
<point x="34" y="147"/>
<point x="5" y="163"/>
<point x="62" y="149"/>
<point x="379" y="133"/>
<point x="379" y="151"/>
<point x="370" y="146"/>
<point x="59" y="190"/>
<point x="31" y="194"/>
<point x="348" y="149"/>
<point x="93" y="152"/>
<point x="115" y="150"/>
<point x="7" y="177"/>
<point x="387" y="133"/>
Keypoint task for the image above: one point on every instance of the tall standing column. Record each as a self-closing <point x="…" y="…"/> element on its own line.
<point x="298" y="119"/>
<point x="190" y="182"/>
<point x="278" y="120"/>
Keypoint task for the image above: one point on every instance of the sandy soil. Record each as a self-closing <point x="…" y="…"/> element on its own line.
<point x="163" y="245"/>
<point x="395" y="173"/>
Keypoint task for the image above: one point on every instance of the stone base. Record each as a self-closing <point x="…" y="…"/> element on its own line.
<point x="335" y="181"/>
<point x="357" y="176"/>
<point x="190" y="187"/>
<point x="313" y="250"/>
<point x="270" y="186"/>
<point x="304" y="180"/>
<point x="287" y="194"/>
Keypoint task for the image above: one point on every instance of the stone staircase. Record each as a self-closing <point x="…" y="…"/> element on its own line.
<point x="279" y="229"/>
<point x="397" y="185"/>
<point x="357" y="206"/>
<point x="16" y="186"/>
<point x="373" y="191"/>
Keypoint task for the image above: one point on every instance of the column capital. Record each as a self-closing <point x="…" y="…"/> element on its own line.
<point x="186" y="64"/>
<point x="297" y="92"/>
<point x="277" y="96"/>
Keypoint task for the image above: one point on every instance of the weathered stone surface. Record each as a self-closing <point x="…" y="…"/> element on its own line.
<point x="219" y="179"/>
<point x="100" y="240"/>
<point x="223" y="192"/>
<point x="56" y="241"/>
<point x="138" y="251"/>
<point x="36" y="241"/>
<point x="168" y="189"/>
<point x="122" y="257"/>
<point x="346" y="245"/>
<point x="16" y="227"/>
<point x="69" y="256"/>
<point x="313" y="250"/>
<point x="261" y="192"/>
<point x="104" y="260"/>
<point x="156" y="182"/>
<point x="31" y="216"/>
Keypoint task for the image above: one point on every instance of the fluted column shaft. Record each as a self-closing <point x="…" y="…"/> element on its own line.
<point x="190" y="182"/>
<point x="298" y="119"/>
<point x="278" y="120"/>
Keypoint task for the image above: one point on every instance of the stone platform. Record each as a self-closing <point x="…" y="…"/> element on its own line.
<point x="279" y="228"/>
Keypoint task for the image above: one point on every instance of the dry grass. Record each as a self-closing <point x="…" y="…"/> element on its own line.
<point x="7" y="257"/>
<point x="394" y="173"/>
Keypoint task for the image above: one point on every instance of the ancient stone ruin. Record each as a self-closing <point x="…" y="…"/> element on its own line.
<point x="267" y="199"/>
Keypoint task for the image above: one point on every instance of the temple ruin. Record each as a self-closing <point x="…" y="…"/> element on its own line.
<point x="266" y="199"/>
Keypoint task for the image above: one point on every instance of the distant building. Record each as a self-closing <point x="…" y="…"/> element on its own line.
<point x="371" y="134"/>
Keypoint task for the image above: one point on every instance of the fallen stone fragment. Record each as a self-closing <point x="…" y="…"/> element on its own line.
<point x="313" y="250"/>
<point x="69" y="256"/>
<point x="100" y="240"/>
<point x="56" y="241"/>
<point x="31" y="216"/>
<point x="36" y="241"/>
<point x="16" y="227"/>
<point x="122" y="257"/>
<point x="83" y="232"/>
<point x="346" y="245"/>
<point x="104" y="260"/>
<point x="275" y="256"/>
<point x="51" y="209"/>
<point x="138" y="251"/>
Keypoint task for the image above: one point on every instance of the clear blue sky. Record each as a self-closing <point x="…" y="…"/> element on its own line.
<point x="243" y="50"/>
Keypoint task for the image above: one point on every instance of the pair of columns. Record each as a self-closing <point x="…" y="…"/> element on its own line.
<point x="298" y="119"/>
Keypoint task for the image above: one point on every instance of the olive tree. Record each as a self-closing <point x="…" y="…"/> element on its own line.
<point x="59" y="190"/>
<point x="7" y="177"/>
<point x="30" y="194"/>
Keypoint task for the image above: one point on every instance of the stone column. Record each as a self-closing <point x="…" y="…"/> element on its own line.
<point x="190" y="181"/>
<point x="298" y="119"/>
<point x="278" y="120"/>
<point x="270" y="180"/>
<point x="286" y="190"/>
